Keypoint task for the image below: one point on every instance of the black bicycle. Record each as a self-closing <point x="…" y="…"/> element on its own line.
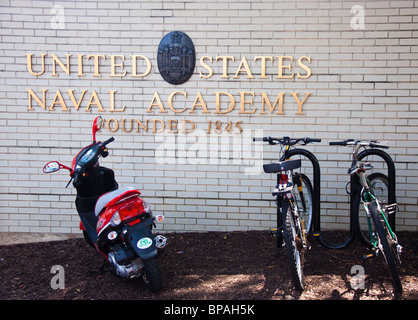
<point x="293" y="194"/>
<point x="381" y="236"/>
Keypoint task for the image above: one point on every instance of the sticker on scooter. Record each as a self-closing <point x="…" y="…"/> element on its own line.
<point x="144" y="243"/>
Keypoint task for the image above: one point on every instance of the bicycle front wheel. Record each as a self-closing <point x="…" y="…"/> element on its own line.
<point x="384" y="239"/>
<point x="304" y="199"/>
<point x="379" y="183"/>
<point x="293" y="243"/>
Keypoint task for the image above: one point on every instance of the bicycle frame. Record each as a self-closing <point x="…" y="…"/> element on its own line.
<point x="284" y="192"/>
<point x="367" y="196"/>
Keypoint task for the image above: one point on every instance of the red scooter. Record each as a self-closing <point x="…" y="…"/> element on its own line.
<point x="116" y="222"/>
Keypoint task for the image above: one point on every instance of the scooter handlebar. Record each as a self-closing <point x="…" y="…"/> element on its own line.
<point x="108" y="141"/>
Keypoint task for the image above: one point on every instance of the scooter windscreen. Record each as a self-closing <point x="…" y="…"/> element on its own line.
<point x="87" y="160"/>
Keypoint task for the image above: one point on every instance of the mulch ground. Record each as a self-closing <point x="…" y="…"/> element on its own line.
<point x="198" y="266"/>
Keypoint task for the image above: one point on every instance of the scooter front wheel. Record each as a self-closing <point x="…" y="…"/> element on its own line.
<point x="152" y="277"/>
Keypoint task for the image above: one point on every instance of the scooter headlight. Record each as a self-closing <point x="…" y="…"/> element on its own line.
<point x="115" y="220"/>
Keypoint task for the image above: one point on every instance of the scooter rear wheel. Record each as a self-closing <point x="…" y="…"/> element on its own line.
<point x="152" y="277"/>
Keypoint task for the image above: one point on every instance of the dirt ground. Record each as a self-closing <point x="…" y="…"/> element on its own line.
<point x="200" y="266"/>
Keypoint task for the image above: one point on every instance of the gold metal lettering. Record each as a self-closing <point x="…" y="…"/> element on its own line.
<point x="281" y="67"/>
<point x="207" y="67"/>
<point x="156" y="101"/>
<point x="265" y="100"/>
<point x="112" y="102"/>
<point x="56" y="60"/>
<point x="184" y="126"/>
<point x="75" y="103"/>
<point x="96" y="102"/>
<point x="29" y="64"/>
<point x="58" y="100"/>
<point x="96" y="63"/>
<point x="140" y="124"/>
<point x="154" y="126"/>
<point x="225" y="65"/>
<point x="123" y="126"/>
<point x="218" y="102"/>
<point x="244" y="63"/>
<point x="134" y="66"/>
<point x="80" y="65"/>
<point x="304" y="67"/>
<point x="243" y="102"/>
<point x="32" y="94"/>
<point x="172" y="124"/>
<point x="170" y="101"/>
<point x="263" y="65"/>
<point x="114" y="65"/>
<point x="116" y="125"/>
<point x="300" y="104"/>
<point x="201" y="103"/>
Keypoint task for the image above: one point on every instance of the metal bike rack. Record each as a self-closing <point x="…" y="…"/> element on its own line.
<point x="391" y="177"/>
<point x="316" y="201"/>
<point x="316" y="185"/>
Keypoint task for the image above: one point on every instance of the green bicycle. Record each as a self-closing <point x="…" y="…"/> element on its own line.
<point x="382" y="238"/>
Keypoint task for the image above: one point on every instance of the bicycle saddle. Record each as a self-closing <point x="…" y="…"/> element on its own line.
<point x="282" y="166"/>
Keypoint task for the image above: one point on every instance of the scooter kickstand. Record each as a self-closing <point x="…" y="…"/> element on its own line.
<point x="102" y="266"/>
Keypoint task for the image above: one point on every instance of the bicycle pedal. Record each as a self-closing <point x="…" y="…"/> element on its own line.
<point x="391" y="208"/>
<point x="369" y="256"/>
<point x="273" y="232"/>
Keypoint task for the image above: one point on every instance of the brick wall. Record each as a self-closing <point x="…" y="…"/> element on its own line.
<point x="363" y="84"/>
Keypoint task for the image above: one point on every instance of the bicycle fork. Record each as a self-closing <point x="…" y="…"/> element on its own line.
<point x="393" y="240"/>
<point x="283" y="192"/>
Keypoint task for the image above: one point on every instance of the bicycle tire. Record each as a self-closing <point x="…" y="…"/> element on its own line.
<point x="294" y="256"/>
<point x="308" y="196"/>
<point x="364" y="235"/>
<point x="384" y="246"/>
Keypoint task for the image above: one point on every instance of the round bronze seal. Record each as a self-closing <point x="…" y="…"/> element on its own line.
<point x="176" y="57"/>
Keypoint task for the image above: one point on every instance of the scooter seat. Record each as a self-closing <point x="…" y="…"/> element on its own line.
<point x="103" y="201"/>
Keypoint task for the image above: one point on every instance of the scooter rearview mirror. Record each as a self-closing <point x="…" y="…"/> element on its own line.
<point x="97" y="125"/>
<point x="51" y="167"/>
<point x="54" y="166"/>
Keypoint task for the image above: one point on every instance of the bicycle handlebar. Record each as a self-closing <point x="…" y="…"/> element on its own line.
<point x="287" y="140"/>
<point x="352" y="142"/>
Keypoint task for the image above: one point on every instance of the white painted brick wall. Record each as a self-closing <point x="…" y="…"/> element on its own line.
<point x="363" y="85"/>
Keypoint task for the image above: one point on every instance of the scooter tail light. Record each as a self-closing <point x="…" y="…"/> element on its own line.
<point x="131" y="210"/>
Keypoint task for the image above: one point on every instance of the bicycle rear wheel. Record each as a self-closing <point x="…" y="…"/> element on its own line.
<point x="385" y="243"/>
<point x="292" y="239"/>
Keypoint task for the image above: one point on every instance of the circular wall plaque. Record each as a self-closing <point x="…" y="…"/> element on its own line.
<point x="176" y="57"/>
